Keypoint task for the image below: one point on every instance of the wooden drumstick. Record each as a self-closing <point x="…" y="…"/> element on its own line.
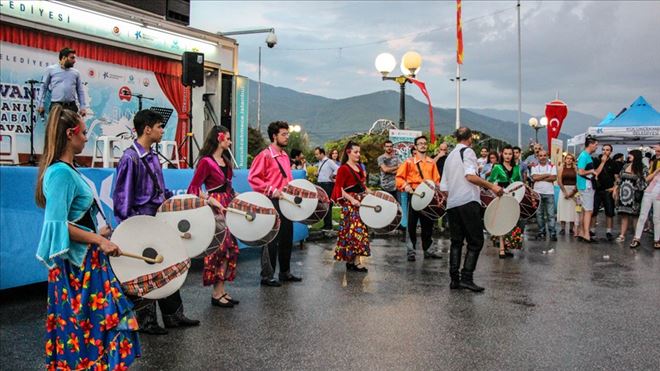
<point x="186" y="235"/>
<point x="157" y="260"/>
<point x="292" y="202"/>
<point x="377" y="208"/>
<point x="247" y="216"/>
<point x="515" y="188"/>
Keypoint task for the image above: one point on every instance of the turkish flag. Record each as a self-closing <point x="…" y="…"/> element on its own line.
<point x="556" y="111"/>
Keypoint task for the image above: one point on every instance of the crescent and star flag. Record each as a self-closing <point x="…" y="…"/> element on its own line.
<point x="422" y="87"/>
<point x="459" y="34"/>
<point x="556" y="111"/>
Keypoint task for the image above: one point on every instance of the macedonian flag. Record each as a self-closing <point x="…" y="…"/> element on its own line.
<point x="459" y="34"/>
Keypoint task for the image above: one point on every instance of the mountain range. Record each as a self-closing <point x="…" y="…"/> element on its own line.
<point x="325" y="119"/>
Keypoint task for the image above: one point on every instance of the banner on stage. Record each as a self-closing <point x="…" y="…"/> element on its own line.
<point x="241" y="99"/>
<point x="402" y="141"/>
<point x="556" y="151"/>
<point x="109" y="90"/>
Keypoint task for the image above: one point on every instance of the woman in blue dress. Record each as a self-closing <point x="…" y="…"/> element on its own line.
<point x="90" y="323"/>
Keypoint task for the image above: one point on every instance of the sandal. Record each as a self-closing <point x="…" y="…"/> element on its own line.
<point x="656" y="245"/>
<point x="634" y="244"/>
<point x="621" y="238"/>
<point x="218" y="303"/>
<point x="502" y="254"/>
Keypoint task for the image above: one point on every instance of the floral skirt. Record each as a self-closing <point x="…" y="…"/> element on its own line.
<point x="512" y="240"/>
<point x="220" y="265"/>
<point x="90" y="323"/>
<point x="353" y="238"/>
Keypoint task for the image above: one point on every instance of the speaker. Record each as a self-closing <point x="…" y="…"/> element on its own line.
<point x="193" y="69"/>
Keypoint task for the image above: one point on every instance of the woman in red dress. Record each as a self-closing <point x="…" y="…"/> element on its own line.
<point x="350" y="186"/>
<point x="215" y="173"/>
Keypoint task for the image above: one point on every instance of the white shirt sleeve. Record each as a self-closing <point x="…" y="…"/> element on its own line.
<point x="553" y="170"/>
<point x="535" y="170"/>
<point x="470" y="162"/>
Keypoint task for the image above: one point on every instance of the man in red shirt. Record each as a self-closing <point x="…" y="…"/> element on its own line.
<point x="270" y="172"/>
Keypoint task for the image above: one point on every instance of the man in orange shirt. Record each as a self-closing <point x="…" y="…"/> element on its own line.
<point x="411" y="174"/>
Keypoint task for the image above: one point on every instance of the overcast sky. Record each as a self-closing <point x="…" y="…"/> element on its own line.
<point x="599" y="56"/>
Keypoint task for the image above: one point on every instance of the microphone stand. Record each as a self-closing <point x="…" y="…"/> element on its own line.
<point x="33" y="158"/>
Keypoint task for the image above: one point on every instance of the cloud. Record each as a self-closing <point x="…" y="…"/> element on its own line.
<point x="599" y="56"/>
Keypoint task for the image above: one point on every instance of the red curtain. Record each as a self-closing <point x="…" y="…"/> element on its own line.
<point x="168" y="72"/>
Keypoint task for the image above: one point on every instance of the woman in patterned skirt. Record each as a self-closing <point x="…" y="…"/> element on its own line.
<point x="90" y="323"/>
<point x="214" y="171"/>
<point x="503" y="174"/>
<point x="631" y="183"/>
<point x="350" y="185"/>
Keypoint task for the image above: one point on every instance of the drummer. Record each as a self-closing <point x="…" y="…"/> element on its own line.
<point x="350" y="186"/>
<point x="214" y="171"/>
<point x="270" y="172"/>
<point x="505" y="172"/>
<point x="140" y="190"/>
<point x="76" y="254"/>
<point x="412" y="173"/>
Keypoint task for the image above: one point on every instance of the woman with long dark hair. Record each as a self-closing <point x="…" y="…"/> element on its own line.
<point x="503" y="174"/>
<point x="629" y="190"/>
<point x="85" y="299"/>
<point x="214" y="171"/>
<point x="350" y="187"/>
<point x="334" y="156"/>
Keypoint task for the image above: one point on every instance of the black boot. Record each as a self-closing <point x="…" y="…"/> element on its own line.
<point x="178" y="319"/>
<point x="454" y="266"/>
<point x="148" y="321"/>
<point x="469" y="265"/>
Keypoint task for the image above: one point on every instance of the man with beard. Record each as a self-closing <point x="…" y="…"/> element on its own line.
<point x="64" y="84"/>
<point x="270" y="172"/>
<point x="604" y="188"/>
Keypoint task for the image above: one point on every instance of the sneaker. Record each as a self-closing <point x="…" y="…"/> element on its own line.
<point x="411" y="257"/>
<point x="609" y="236"/>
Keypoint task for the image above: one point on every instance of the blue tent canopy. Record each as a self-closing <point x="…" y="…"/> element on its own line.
<point x="639" y="114"/>
<point x="609" y="118"/>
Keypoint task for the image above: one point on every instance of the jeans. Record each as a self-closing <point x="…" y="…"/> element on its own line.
<point x="547" y="213"/>
<point x="649" y="201"/>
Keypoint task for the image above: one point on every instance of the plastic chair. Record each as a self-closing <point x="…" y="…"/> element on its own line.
<point x="12" y="155"/>
<point x="107" y="152"/>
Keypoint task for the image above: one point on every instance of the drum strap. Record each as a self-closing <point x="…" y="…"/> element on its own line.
<point x="419" y="168"/>
<point x="153" y="177"/>
<point x="143" y="285"/>
<point x="281" y="168"/>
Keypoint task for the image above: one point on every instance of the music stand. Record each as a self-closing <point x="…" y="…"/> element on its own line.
<point x="166" y="113"/>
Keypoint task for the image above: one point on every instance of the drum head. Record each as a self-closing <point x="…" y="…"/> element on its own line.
<point x="147" y="236"/>
<point x="187" y="215"/>
<point x="301" y="207"/>
<point x="423" y="196"/>
<point x="501" y="215"/>
<point x="379" y="219"/>
<point x="519" y="193"/>
<point x="255" y="230"/>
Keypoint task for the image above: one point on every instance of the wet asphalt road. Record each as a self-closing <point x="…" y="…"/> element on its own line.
<point x="572" y="308"/>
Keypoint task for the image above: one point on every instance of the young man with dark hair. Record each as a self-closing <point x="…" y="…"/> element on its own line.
<point x="327" y="170"/>
<point x="140" y="190"/>
<point x="462" y="181"/>
<point x="270" y="172"/>
<point x="586" y="174"/>
<point x="388" y="164"/>
<point x="297" y="159"/>
<point x="64" y="84"/>
<point x="604" y="188"/>
<point x="409" y="176"/>
<point x="517" y="157"/>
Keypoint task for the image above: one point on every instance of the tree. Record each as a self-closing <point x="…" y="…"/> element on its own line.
<point x="256" y="143"/>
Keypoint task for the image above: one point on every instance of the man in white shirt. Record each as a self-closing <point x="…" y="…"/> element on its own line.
<point x="483" y="160"/>
<point x="544" y="173"/>
<point x="461" y="180"/>
<point x="326" y="180"/>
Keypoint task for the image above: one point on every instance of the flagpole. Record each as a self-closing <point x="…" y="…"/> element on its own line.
<point x="519" y="82"/>
<point x="458" y="95"/>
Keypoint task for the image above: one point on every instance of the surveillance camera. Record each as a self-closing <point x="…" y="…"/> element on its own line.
<point x="271" y="40"/>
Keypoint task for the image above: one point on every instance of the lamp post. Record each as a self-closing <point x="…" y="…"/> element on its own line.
<point x="271" y="41"/>
<point x="535" y="124"/>
<point x="410" y="65"/>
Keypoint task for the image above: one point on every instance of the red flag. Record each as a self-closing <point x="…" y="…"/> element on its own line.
<point x="459" y="34"/>
<point x="422" y="87"/>
<point x="556" y="111"/>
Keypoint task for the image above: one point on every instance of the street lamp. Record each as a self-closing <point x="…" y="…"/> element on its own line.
<point x="271" y="41"/>
<point x="410" y="65"/>
<point x="295" y="128"/>
<point x="536" y="125"/>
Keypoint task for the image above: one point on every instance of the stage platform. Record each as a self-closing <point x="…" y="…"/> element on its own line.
<point x="21" y="220"/>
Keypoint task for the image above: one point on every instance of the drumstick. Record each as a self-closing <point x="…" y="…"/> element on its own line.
<point x="419" y="194"/>
<point x="292" y="202"/>
<point x="186" y="236"/>
<point x="515" y="188"/>
<point x="158" y="259"/>
<point x="247" y="216"/>
<point x="377" y="208"/>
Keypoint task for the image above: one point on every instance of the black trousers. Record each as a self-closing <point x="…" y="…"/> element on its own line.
<point x="327" y="187"/>
<point x="465" y="224"/>
<point x="145" y="309"/>
<point x="71" y="106"/>
<point x="427" y="227"/>
<point x="278" y="249"/>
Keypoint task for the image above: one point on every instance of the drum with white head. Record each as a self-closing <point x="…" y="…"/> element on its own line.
<point x="501" y="215"/>
<point x="304" y="202"/>
<point x="429" y="200"/>
<point x="194" y="221"/>
<point x="252" y="219"/>
<point x="149" y="237"/>
<point x="380" y="212"/>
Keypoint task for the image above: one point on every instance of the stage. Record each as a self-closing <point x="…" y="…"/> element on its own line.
<point x="21" y="220"/>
